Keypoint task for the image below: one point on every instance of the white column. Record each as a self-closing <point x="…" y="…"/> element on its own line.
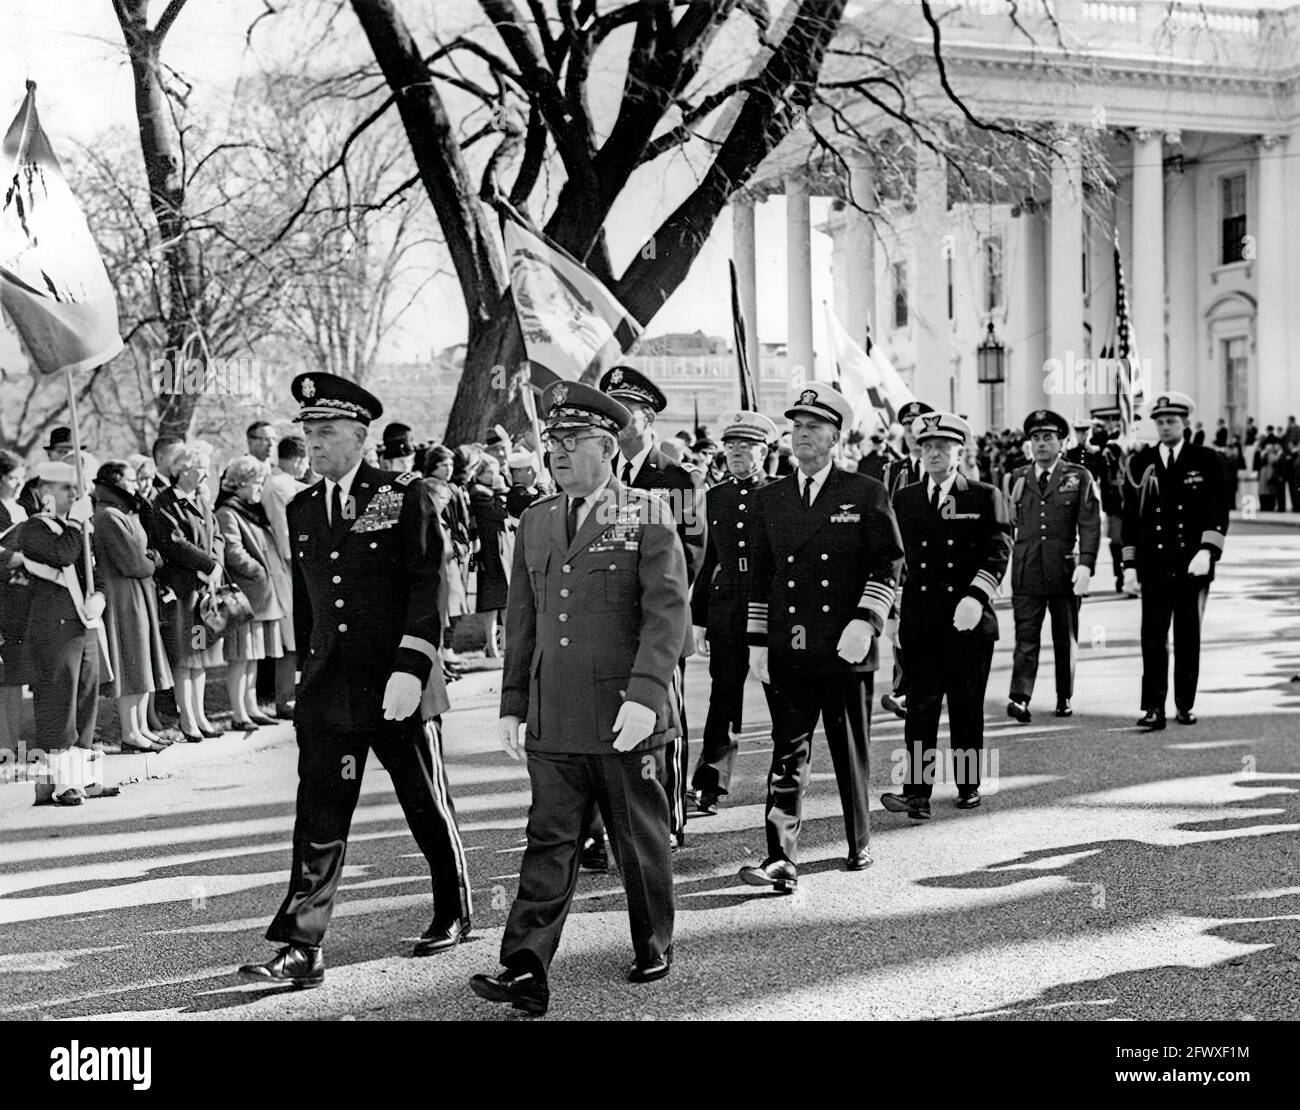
<point x="860" y="250"/>
<point x="798" y="254"/>
<point x="1184" y="325"/>
<point x="743" y="251"/>
<point x="928" y="278"/>
<point x="1273" y="358"/>
<point x="1065" y="308"/>
<point x="1148" y="255"/>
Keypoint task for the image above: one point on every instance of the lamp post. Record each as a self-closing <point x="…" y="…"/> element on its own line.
<point x="990" y="360"/>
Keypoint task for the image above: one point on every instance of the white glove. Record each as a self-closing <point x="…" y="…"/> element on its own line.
<point x="82" y="509"/>
<point x="94" y="607"/>
<point x="1199" y="567"/>
<point x="758" y="664"/>
<point x="1082" y="581"/>
<point x="701" y="640"/>
<point x="967" y="615"/>
<point x="632" y="725"/>
<point x="401" y="696"/>
<point x="1131" y="581"/>
<point x="508" y="737"/>
<point x="891" y="631"/>
<point x="855" y="641"/>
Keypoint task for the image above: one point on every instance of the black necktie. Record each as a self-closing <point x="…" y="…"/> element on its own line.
<point x="336" y="506"/>
<point x="807" y="493"/>
<point x="934" y="499"/>
<point x="574" y="503"/>
<point x="1042" y="480"/>
<point x="627" y="473"/>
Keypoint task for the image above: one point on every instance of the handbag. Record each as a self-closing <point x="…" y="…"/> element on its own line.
<point x="220" y="607"/>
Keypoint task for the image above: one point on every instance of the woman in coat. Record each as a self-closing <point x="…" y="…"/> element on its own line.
<point x="184" y="532"/>
<point x="487" y="495"/>
<point x="13" y="604"/>
<point x="125" y="566"/>
<point x="246" y="532"/>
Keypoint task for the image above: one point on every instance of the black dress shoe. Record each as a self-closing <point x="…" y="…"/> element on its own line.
<point x="896" y="704"/>
<point x="595" y="855"/>
<point x="779" y="874"/>
<point x="655" y="969"/>
<point x="440" y="938"/>
<point x="1153" y="719"/>
<point x="706" y="802"/>
<point x="1063" y="708"/>
<point x="262" y="719"/>
<point x="524" y="990"/>
<point x="916" y="808"/>
<point x="859" y="861"/>
<point x="968" y="801"/>
<point x="1186" y="717"/>
<point x="1020" y="711"/>
<point x="296" y="964"/>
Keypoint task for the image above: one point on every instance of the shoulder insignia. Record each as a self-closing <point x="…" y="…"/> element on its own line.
<point x="405" y="479"/>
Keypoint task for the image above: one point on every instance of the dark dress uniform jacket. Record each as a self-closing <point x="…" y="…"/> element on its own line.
<point x="365" y="598"/>
<point x="594" y="622"/>
<point x="1170" y="514"/>
<point x="961" y="551"/>
<point x="720" y="600"/>
<point x="1047" y="524"/>
<point x="817" y="570"/>
<point x="661" y="473"/>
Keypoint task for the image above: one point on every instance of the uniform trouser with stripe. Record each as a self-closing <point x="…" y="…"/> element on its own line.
<point x="728" y="669"/>
<point x="841" y="697"/>
<point x="567" y="787"/>
<point x="330" y="767"/>
<point x="953" y="665"/>
<point x="65" y="695"/>
<point x="1181" y="599"/>
<point x="1029" y="611"/>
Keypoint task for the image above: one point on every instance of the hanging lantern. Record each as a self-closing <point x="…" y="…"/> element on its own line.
<point x="990" y="360"/>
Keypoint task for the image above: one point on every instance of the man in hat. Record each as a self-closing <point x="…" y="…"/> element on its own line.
<point x="719" y="602"/>
<point x="897" y="474"/>
<point x="1054" y="507"/>
<point x="498" y="445"/>
<point x="595" y="622"/>
<point x="397" y="455"/>
<point x="957" y="539"/>
<point x="1175" y="521"/>
<point x="365" y="612"/>
<point x="524" y="490"/>
<point x="826" y="558"/>
<point x="1108" y="469"/>
<point x="642" y="465"/>
<point x="58" y="448"/>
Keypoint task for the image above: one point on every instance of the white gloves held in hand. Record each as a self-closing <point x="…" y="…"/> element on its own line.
<point x="402" y="696"/>
<point x="634" y="723"/>
<point x="1131" y="586"/>
<point x="94" y="607"/>
<point x="967" y="615"/>
<point x="1200" y="565"/>
<point x="508" y="737"/>
<point x="82" y="509"/>
<point x="758" y="664"/>
<point x="891" y="631"/>
<point x="1082" y="581"/>
<point x="701" y="640"/>
<point x="855" y="641"/>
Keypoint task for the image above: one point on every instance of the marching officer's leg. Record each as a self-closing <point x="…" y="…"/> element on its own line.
<point x="846" y="716"/>
<point x="921" y="731"/>
<point x="797" y="707"/>
<point x="1189" y="611"/>
<point x="728" y="666"/>
<point x="966" y="678"/>
<point x="330" y="766"/>
<point x="411" y="752"/>
<point x="1157" y="611"/>
<point x="1029" y="613"/>
<point x="636" y="813"/>
<point x="1065" y="642"/>
<point x="1114" y="534"/>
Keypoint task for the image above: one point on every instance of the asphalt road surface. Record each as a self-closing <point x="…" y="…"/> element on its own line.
<point x="1109" y="873"/>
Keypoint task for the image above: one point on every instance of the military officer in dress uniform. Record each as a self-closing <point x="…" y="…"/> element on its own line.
<point x="1175" y="521"/>
<point x="1054" y="507"/>
<point x="826" y="559"/>
<point x="1109" y="472"/>
<point x="957" y="539"/>
<point x="899" y="473"/>
<point x="365" y="611"/>
<point x="719" y="603"/>
<point x="595" y="621"/>
<point x="641" y="465"/>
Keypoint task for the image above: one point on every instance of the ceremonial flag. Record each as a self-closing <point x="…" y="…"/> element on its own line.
<point x="52" y="281"/>
<point x="748" y="391"/>
<point x="1125" y="348"/>
<point x="868" y="380"/>
<point x="570" y="322"/>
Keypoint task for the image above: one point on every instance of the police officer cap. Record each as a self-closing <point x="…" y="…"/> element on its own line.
<point x="743" y="424"/>
<point x="940" y="425"/>
<point x="1045" y="420"/>
<point x="328" y="397"/>
<point x="56" y="473"/>
<point x="632" y="387"/>
<point x="574" y="405"/>
<point x="1172" y="404"/>
<point x="911" y="411"/>
<point x="822" y="401"/>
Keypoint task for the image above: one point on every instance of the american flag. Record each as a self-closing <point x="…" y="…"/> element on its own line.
<point x="1126" y="345"/>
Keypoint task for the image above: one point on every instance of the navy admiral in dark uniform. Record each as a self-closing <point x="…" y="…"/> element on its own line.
<point x="365" y="609"/>
<point x="897" y="474"/>
<point x="1055" y="508"/>
<point x="1175" y="520"/>
<point x="595" y="621"/>
<point x="957" y="539"/>
<point x="720" y="600"/>
<point x="641" y="465"/>
<point x="826" y="559"/>
<point x="1112" y="459"/>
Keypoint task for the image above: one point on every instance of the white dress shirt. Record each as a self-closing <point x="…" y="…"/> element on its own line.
<point x="818" y="480"/>
<point x="637" y="461"/>
<point x="1170" y="454"/>
<point x="945" y="487"/>
<point x="345" y="489"/>
<point x="587" y="503"/>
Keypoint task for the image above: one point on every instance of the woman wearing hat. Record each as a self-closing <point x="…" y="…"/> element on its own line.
<point x="487" y="494"/>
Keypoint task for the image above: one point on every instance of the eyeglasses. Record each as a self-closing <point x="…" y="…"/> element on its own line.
<point x="568" y="442"/>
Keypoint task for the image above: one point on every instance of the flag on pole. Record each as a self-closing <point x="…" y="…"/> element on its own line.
<point x="748" y="391"/>
<point x="869" y="380"/>
<point x="52" y="280"/>
<point x="1125" y="347"/>
<point x="570" y="322"/>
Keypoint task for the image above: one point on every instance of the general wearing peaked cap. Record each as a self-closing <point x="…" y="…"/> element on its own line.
<point x="911" y="411"/>
<point x="575" y="405"/>
<point x="328" y="397"/>
<point x="632" y="387"/>
<point x="1045" y="420"/>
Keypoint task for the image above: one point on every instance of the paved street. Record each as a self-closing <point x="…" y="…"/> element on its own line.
<point x="1109" y="873"/>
